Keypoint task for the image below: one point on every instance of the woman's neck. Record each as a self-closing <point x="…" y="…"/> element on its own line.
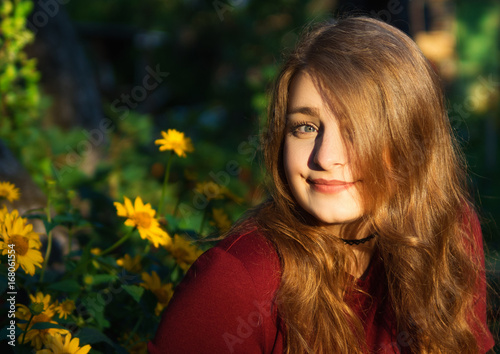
<point x="363" y="254"/>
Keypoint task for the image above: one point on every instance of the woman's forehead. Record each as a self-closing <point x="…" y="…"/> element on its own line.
<point x="303" y="92"/>
<point x="307" y="98"/>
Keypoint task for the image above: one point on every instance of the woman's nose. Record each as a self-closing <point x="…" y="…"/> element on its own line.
<point x="329" y="150"/>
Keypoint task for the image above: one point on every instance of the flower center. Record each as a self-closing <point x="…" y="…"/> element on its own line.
<point x="4" y="193"/>
<point x="21" y="244"/>
<point x="68" y="306"/>
<point x="142" y="219"/>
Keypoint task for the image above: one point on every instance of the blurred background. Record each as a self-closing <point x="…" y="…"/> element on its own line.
<point x="109" y="76"/>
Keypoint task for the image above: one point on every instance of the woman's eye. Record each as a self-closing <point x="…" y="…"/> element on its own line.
<point x="304" y="128"/>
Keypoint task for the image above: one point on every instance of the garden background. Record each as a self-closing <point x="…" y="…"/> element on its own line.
<point x="87" y="87"/>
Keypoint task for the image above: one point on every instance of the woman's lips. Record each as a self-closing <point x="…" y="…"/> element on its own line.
<point x="329" y="186"/>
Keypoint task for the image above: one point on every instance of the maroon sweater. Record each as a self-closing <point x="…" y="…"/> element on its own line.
<point x="225" y="304"/>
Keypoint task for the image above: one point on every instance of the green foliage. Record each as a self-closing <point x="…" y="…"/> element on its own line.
<point x="20" y="102"/>
<point x="475" y="102"/>
<point x="130" y="276"/>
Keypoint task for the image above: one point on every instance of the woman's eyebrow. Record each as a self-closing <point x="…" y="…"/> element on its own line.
<point x="309" y="111"/>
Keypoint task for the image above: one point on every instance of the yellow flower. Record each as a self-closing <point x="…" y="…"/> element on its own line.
<point x="142" y="217"/>
<point x="174" y="140"/>
<point x="37" y="337"/>
<point x="29" y="233"/>
<point x="19" y="237"/>
<point x="163" y="292"/>
<point x="65" y="308"/>
<point x="134" y="344"/>
<point x="184" y="252"/>
<point x="211" y="190"/>
<point x="221" y="220"/>
<point x="4" y="211"/>
<point x="132" y="265"/>
<point x="88" y="279"/>
<point x="95" y="251"/>
<point x="9" y="191"/>
<point x="56" y="344"/>
<point x="44" y="299"/>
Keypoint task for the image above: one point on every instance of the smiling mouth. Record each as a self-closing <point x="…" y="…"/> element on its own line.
<point x="329" y="186"/>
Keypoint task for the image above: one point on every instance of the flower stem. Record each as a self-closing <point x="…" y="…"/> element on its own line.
<point x="117" y="243"/>
<point x="47" y="255"/>
<point x="176" y="208"/>
<point x="165" y="181"/>
<point x="26" y="330"/>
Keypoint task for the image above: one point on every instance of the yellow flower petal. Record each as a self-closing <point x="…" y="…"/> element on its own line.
<point x="120" y="209"/>
<point x="175" y="141"/>
<point x="26" y="243"/>
<point x="142" y="216"/>
<point x="9" y="191"/>
<point x="183" y="251"/>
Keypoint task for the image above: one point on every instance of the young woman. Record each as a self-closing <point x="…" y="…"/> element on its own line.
<point x="369" y="242"/>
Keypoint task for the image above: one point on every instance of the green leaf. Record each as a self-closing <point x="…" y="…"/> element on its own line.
<point x="35" y="216"/>
<point x="102" y="322"/>
<point x="134" y="291"/>
<point x="27" y="213"/>
<point x="48" y="226"/>
<point x="46" y="325"/>
<point x="65" y="219"/>
<point x="176" y="275"/>
<point x="103" y="278"/>
<point x="81" y="266"/>
<point x="92" y="336"/>
<point x="173" y="222"/>
<point x="95" y="306"/>
<point x="23" y="8"/>
<point x="69" y="286"/>
<point x="108" y="260"/>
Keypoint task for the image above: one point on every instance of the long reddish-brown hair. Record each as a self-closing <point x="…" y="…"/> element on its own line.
<point x="390" y="109"/>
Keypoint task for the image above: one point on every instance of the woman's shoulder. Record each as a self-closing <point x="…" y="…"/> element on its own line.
<point x="249" y="251"/>
<point x="249" y="245"/>
<point x="225" y="301"/>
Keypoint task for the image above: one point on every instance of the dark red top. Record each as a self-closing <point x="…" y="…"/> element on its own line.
<point x="224" y="304"/>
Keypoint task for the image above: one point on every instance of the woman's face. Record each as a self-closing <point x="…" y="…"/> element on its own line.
<point x="315" y="159"/>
